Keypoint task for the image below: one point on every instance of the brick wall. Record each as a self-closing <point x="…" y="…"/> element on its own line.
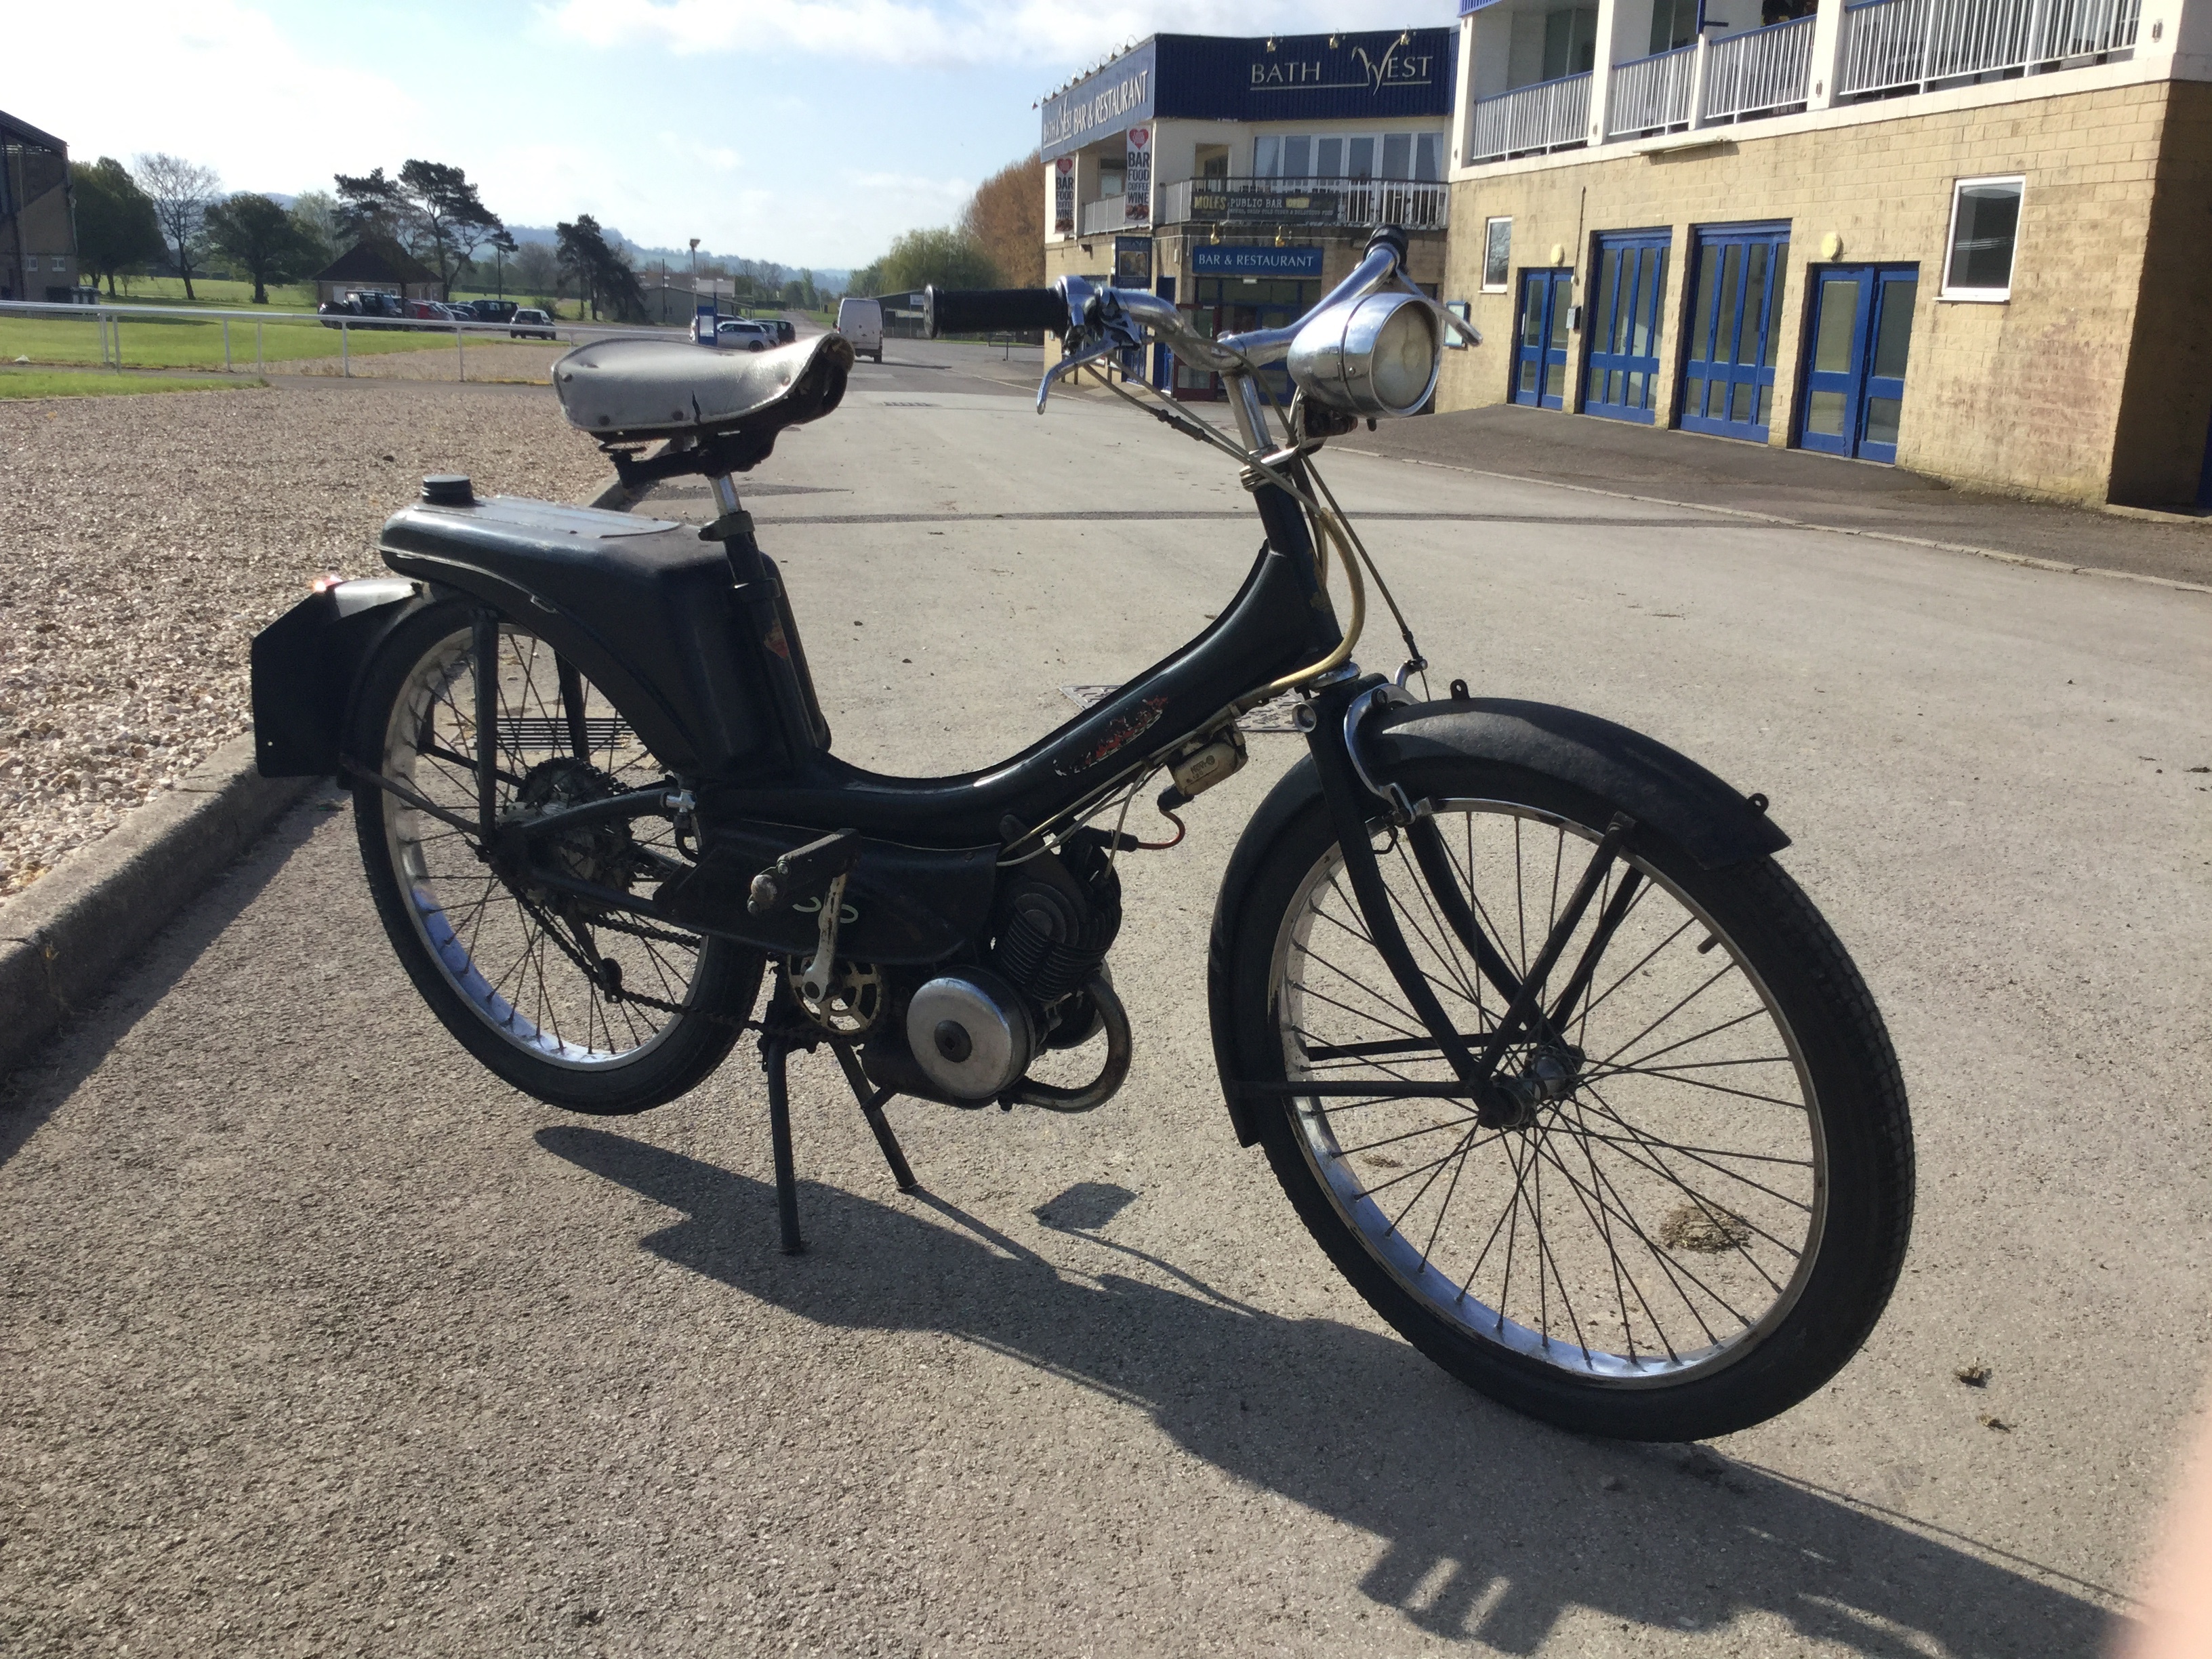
<point x="2025" y="396"/>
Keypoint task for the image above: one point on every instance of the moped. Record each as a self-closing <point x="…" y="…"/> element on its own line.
<point x="1561" y="1069"/>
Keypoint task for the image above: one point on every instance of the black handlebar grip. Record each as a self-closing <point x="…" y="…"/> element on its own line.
<point x="986" y="310"/>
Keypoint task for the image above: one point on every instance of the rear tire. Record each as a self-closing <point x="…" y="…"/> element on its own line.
<point x="1715" y="1218"/>
<point x="490" y="961"/>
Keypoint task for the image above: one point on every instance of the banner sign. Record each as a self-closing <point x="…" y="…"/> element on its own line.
<point x="1302" y="207"/>
<point x="702" y="325"/>
<point x="1132" y="261"/>
<point x="1063" y="196"/>
<point x="1302" y="263"/>
<point x="1117" y="97"/>
<point x="1137" y="177"/>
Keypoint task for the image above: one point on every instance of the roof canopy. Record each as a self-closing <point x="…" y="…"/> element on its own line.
<point x="374" y="260"/>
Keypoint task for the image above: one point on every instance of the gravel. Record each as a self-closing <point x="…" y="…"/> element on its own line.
<point x="143" y="542"/>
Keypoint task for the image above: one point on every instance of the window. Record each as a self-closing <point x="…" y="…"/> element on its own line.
<point x="1418" y="156"/>
<point x="1569" y="40"/>
<point x="1675" y="23"/>
<point x="1497" y="254"/>
<point x="1984" y="233"/>
<point x="1109" y="181"/>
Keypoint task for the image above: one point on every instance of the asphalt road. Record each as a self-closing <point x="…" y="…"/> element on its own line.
<point x="319" y="1341"/>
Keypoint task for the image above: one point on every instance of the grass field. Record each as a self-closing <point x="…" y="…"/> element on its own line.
<point x="47" y="383"/>
<point x="186" y="343"/>
<point x="221" y="292"/>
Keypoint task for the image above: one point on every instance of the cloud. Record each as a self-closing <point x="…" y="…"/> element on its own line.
<point x="241" y="79"/>
<point x="956" y="33"/>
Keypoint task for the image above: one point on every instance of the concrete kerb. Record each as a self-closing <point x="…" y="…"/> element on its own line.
<point x="1999" y="554"/>
<point x="63" y="939"/>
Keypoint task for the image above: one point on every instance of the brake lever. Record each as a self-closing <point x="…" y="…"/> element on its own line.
<point x="1468" y="331"/>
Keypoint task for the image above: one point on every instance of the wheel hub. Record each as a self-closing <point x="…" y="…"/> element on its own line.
<point x="596" y="853"/>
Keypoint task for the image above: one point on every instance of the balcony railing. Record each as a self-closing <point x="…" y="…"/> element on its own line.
<point x="1108" y="216"/>
<point x="1760" y="72"/>
<point x="1528" y="120"/>
<point x="1899" y="45"/>
<point x="1353" y="203"/>
<point x="1652" y="95"/>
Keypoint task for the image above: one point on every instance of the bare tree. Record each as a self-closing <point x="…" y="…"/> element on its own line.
<point x="181" y="192"/>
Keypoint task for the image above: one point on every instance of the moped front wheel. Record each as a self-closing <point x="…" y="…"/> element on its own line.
<point x="582" y="1005"/>
<point x="1695" y="1206"/>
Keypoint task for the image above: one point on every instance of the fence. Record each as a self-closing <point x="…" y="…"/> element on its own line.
<point x="1411" y="205"/>
<point x="1892" y="46"/>
<point x="205" y="337"/>
<point x="1550" y="115"/>
<point x="1759" y="72"/>
<point x="1650" y="94"/>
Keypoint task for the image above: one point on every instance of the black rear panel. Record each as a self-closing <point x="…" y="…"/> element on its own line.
<point x="644" y="607"/>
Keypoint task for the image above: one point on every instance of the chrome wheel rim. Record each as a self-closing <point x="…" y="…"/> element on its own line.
<point x="1655" y="1220"/>
<point x="502" y="951"/>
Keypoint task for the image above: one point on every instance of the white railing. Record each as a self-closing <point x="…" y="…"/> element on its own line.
<point x="1108" y="216"/>
<point x="1650" y="94"/>
<point x="1759" y="71"/>
<point x="1890" y="46"/>
<point x="1549" y="115"/>
<point x="1410" y="204"/>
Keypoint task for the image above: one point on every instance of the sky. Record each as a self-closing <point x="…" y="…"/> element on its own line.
<point x="806" y="131"/>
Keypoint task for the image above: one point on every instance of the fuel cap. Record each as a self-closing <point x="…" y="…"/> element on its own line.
<point x="448" y="489"/>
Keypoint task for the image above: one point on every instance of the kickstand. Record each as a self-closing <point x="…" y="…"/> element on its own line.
<point x="775" y="1045"/>
<point x="871" y="1107"/>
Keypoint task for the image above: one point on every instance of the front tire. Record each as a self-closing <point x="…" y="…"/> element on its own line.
<point x="1705" y="1205"/>
<point x="499" y="964"/>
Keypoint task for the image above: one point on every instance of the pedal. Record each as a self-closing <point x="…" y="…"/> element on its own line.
<point x="803" y="871"/>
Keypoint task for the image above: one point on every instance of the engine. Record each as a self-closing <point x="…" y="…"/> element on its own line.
<point x="974" y="1031"/>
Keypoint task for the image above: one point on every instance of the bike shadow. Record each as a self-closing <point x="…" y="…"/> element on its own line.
<point x="1493" y="1526"/>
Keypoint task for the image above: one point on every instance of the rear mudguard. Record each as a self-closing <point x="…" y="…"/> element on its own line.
<point x="305" y="666"/>
<point x="1665" y="791"/>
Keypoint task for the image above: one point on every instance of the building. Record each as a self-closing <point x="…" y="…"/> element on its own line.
<point x="38" y="216"/>
<point x="374" y="266"/>
<point x="1241" y="177"/>
<point x="1966" y="236"/>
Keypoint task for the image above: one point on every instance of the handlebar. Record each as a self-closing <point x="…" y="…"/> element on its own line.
<point x="988" y="310"/>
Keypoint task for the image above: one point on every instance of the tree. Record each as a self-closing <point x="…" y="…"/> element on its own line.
<point x="867" y="282"/>
<point x="316" y="213"/>
<point x="181" y="192"/>
<point x="943" y="256"/>
<point x="536" y="269"/>
<point x="115" y="222"/>
<point x="261" y="240"/>
<point x="502" y="243"/>
<point x="603" y="274"/>
<point x="372" y="208"/>
<point x="1005" y="219"/>
<point x="451" y="221"/>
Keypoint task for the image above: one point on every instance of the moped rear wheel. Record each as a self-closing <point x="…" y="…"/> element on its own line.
<point x="1696" y="1209"/>
<point x="581" y="1005"/>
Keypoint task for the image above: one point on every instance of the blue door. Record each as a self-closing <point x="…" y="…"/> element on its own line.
<point x="1621" y="381"/>
<point x="1736" y="321"/>
<point x="1861" y="330"/>
<point x="1539" y="346"/>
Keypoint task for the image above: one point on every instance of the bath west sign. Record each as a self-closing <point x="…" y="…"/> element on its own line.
<point x="1288" y="77"/>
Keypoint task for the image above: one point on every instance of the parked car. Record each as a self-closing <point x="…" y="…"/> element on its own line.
<point x="491" y="311"/>
<point x="861" y="322"/>
<point x="362" y="306"/>
<point x="743" y="333"/>
<point x="528" y="323"/>
<point x="786" y="329"/>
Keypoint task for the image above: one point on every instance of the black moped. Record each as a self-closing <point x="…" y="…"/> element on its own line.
<point x="1558" y="1065"/>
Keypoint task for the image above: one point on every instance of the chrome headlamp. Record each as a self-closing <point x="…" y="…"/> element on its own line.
<point x="1376" y="356"/>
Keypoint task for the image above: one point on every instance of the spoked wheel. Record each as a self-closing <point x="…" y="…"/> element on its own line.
<point x="1691" y="1201"/>
<point x="581" y="1005"/>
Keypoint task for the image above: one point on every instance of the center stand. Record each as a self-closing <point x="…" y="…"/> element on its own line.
<point x="784" y="1027"/>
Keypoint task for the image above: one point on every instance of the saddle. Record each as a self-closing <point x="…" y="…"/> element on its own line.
<point x="628" y="392"/>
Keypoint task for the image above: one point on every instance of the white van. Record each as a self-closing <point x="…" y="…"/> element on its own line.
<point x="861" y="322"/>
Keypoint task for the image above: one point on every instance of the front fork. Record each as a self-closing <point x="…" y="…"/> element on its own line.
<point x="1359" y="795"/>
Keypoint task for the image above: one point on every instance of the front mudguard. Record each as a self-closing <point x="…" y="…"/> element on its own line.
<point x="1664" y="791"/>
<point x="305" y="665"/>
